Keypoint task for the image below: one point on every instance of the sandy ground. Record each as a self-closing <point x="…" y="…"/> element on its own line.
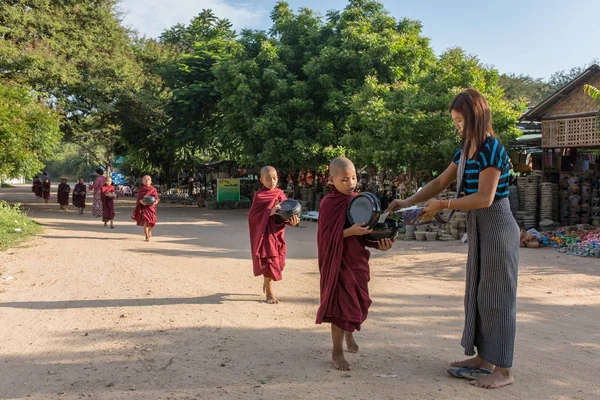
<point x="99" y="313"/>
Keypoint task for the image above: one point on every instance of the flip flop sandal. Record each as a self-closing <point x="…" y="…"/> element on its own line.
<point x="475" y="373"/>
<point x="457" y="371"/>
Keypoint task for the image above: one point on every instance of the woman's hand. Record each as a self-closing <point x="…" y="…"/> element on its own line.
<point x="274" y="210"/>
<point x="385" y="244"/>
<point x="396" y="205"/>
<point x="432" y="207"/>
<point x="357" y="230"/>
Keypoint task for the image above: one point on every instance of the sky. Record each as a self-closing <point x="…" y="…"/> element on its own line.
<point x="532" y="37"/>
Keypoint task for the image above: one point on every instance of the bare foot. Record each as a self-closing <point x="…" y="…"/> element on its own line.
<point x="475" y="362"/>
<point x="351" y="344"/>
<point x="498" y="378"/>
<point x="268" y="290"/>
<point x="271" y="298"/>
<point x="339" y="362"/>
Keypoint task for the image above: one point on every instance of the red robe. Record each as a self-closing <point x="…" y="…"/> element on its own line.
<point x="344" y="267"/>
<point x="108" y="204"/>
<point x="63" y="194"/>
<point x="267" y="234"/>
<point x="46" y="190"/>
<point x="79" y="195"/>
<point x="142" y="213"/>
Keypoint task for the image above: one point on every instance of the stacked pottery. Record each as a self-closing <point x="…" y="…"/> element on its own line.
<point x="410" y="232"/>
<point x="521" y="183"/>
<point x="525" y="219"/>
<point x="547" y="201"/>
<point x="574" y="201"/>
<point x="595" y="204"/>
<point x="431" y="236"/>
<point x="461" y="219"/>
<point x="318" y="198"/>
<point x="530" y="203"/>
<point x="586" y="197"/>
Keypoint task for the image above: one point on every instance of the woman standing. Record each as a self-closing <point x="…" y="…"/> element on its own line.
<point x="97" y="202"/>
<point x="145" y="214"/>
<point x="483" y="168"/>
<point x="108" y="195"/>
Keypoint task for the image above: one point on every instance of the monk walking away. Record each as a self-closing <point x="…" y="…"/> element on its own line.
<point x="46" y="187"/>
<point x="63" y="194"/>
<point x="343" y="263"/>
<point x="79" y="193"/>
<point x="108" y="196"/>
<point x="36" y="188"/>
<point x="267" y="232"/>
<point x="145" y="212"/>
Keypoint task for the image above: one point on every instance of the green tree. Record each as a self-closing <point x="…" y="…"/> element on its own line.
<point x="29" y="132"/>
<point x="407" y="125"/>
<point x="75" y="54"/>
<point x="286" y="94"/>
<point x="524" y="88"/>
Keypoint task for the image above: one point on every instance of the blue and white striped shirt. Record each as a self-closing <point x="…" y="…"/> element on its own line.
<point x="492" y="154"/>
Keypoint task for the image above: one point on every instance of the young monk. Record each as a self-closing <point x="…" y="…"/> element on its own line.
<point x="145" y="215"/>
<point x="46" y="186"/>
<point x="267" y="232"/>
<point x="343" y="263"/>
<point x="108" y="204"/>
<point x="79" y="195"/>
<point x="63" y="194"/>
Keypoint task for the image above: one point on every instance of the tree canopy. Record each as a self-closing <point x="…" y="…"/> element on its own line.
<point x="356" y="81"/>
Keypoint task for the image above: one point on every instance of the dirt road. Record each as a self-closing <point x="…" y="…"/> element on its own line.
<point x="94" y="312"/>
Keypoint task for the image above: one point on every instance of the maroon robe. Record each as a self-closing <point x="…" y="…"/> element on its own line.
<point x="79" y="195"/>
<point x="63" y="194"/>
<point x="344" y="267"/>
<point x="46" y="186"/>
<point x="37" y="188"/>
<point x="144" y="214"/>
<point x="267" y="234"/>
<point x="108" y="204"/>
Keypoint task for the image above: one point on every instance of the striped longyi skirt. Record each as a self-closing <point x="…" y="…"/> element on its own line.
<point x="491" y="284"/>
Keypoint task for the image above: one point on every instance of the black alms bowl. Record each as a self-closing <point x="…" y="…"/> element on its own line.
<point x="148" y="200"/>
<point x="384" y="230"/>
<point x="289" y="208"/>
<point x="364" y="209"/>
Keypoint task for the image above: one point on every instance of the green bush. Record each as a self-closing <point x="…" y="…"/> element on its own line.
<point x="15" y="225"/>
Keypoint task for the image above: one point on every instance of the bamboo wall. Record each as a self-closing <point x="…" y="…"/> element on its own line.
<point x="576" y="131"/>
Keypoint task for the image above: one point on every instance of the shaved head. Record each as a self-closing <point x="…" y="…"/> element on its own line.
<point x="340" y="165"/>
<point x="267" y="170"/>
<point x="268" y="177"/>
<point x="342" y="174"/>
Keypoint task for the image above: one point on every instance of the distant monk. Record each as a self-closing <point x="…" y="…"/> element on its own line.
<point x="108" y="195"/>
<point x="343" y="263"/>
<point x="36" y="188"/>
<point x="79" y="195"/>
<point x="267" y="232"/>
<point x="98" y="184"/>
<point x="63" y="194"/>
<point x="46" y="186"/>
<point x="145" y="214"/>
